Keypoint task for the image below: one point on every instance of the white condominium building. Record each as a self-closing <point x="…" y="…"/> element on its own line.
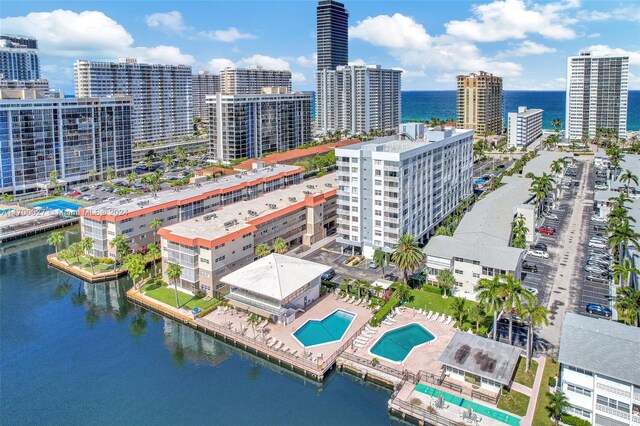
<point x="19" y="58"/>
<point x="203" y="84"/>
<point x="249" y="126"/>
<point x="597" y="91"/>
<point x="251" y="81"/>
<point x="161" y="95"/>
<point x="525" y="126"/>
<point x="599" y="371"/>
<point x="358" y="98"/>
<point x="398" y="184"/>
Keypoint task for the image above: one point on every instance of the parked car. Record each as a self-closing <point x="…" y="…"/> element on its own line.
<point x="601" y="187"/>
<point x="600" y="227"/>
<point x="597" y="309"/>
<point x="551" y="216"/>
<point x="546" y="230"/>
<point x="570" y="173"/>
<point x="532" y="290"/>
<point x="530" y="267"/>
<point x="595" y="268"/>
<point x="597" y="244"/>
<point x="598" y="219"/>
<point x="576" y="183"/>
<point x="597" y="278"/>
<point x="538" y="253"/>
<point x="84" y="188"/>
<point x="73" y="193"/>
<point x="328" y="276"/>
<point x="539" y="246"/>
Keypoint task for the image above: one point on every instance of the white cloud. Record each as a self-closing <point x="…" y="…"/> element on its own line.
<point x="409" y="43"/>
<point x="170" y="21"/>
<point x="267" y="62"/>
<point x="298" y="77"/>
<point x="520" y="83"/>
<point x="624" y="13"/>
<point x="89" y="35"/>
<point x="514" y="19"/>
<point x="527" y="48"/>
<point x="218" y="64"/>
<point x="307" y="61"/>
<point x="228" y="36"/>
<point x="602" y="49"/>
<point x="358" y="62"/>
<point x="594" y="35"/>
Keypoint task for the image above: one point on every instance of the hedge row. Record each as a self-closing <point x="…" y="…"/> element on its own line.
<point x="574" y="421"/>
<point x="432" y="289"/>
<point x="384" y="311"/>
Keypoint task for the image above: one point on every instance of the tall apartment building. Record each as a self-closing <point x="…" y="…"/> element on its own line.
<point x="249" y="126"/>
<point x="396" y="185"/>
<point x="251" y="81"/>
<point x="599" y="371"/>
<point x="480" y="103"/>
<point x="203" y="84"/>
<point x="332" y="21"/>
<point x="524" y="126"/>
<point x="131" y="216"/>
<point x="19" y="58"/>
<point x="69" y="136"/>
<point x="358" y="98"/>
<point x="161" y="95"/>
<point x="597" y="95"/>
<point x="209" y="247"/>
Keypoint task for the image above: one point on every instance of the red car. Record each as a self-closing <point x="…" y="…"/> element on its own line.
<point x="546" y="231"/>
<point x="73" y="193"/>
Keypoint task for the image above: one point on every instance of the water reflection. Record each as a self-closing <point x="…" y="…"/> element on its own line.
<point x="186" y="343"/>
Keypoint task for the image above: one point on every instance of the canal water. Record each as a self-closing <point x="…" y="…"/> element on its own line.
<point x="77" y="353"/>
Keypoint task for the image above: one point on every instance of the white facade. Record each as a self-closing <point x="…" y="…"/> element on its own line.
<point x="203" y="84"/>
<point x="390" y="186"/>
<point x="251" y="81"/>
<point x="19" y="58"/>
<point x="358" y="98"/>
<point x="161" y="95"/>
<point x="597" y="91"/>
<point x="525" y="126"/>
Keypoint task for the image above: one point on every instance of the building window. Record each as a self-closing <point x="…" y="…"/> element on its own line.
<point x="203" y="260"/>
<point x="578" y="389"/>
<point x="476" y="275"/>
<point x="220" y="259"/>
<point x="580" y="411"/>
<point x="459" y="271"/>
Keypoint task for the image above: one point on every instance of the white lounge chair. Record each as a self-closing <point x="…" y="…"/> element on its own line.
<point x="359" y="302"/>
<point x="449" y="320"/>
<point x="435" y="317"/>
<point x="420" y="311"/>
<point x="294" y="353"/>
<point x="443" y="318"/>
<point x="430" y="314"/>
<point x="393" y="320"/>
<point x="273" y="343"/>
<point x="346" y="296"/>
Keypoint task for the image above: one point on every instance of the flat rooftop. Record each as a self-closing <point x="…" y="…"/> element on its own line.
<point x="183" y="194"/>
<point x="529" y="112"/>
<point x="395" y="145"/>
<point x="238" y="218"/>
<point x="612" y="347"/>
<point x="542" y="162"/>
<point x="481" y="356"/>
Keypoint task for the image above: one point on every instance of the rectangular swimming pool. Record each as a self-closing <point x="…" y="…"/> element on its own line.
<point x="463" y="403"/>
<point x="58" y="205"/>
<point x="330" y="329"/>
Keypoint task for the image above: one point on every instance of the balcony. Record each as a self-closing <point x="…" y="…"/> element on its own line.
<point x="615" y="391"/>
<point x="612" y="411"/>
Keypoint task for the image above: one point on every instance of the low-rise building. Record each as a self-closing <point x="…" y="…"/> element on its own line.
<point x="396" y="184"/>
<point x="131" y="216"/>
<point x="276" y="286"/>
<point x="210" y="246"/>
<point x="525" y="126"/>
<point x="599" y="371"/>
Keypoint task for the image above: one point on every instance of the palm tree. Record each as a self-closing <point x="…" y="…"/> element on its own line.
<point x="488" y="295"/>
<point x="520" y="232"/>
<point x="536" y="315"/>
<point x="557" y="405"/>
<point x="262" y="250"/>
<point x="627" y="177"/>
<point x="380" y="259"/>
<point x="110" y="173"/>
<point x="627" y="303"/>
<point x="92" y="174"/>
<point x="457" y="307"/>
<point x="173" y="273"/>
<point x="445" y="231"/>
<point x="280" y="246"/>
<point x="513" y="294"/>
<point x="64" y="255"/>
<point x="407" y="255"/>
<point x="87" y="245"/>
<point x="55" y="239"/>
<point x="131" y="177"/>
<point x="154" y="225"/>
<point x="254" y="319"/>
<point x="153" y="253"/>
<point x="476" y="314"/>
<point x="53" y="178"/>
<point x="135" y="268"/>
<point x="403" y="291"/>
<point x="620" y="236"/>
<point x="557" y="123"/>
<point x="446" y="281"/>
<point x="557" y="166"/>
<point x="119" y="242"/>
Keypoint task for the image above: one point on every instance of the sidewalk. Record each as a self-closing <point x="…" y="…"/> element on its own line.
<point x="533" y="393"/>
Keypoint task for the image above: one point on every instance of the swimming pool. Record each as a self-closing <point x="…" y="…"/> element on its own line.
<point x="482" y="410"/>
<point x="479" y="181"/>
<point x="330" y="329"/>
<point x="58" y="205"/>
<point x="395" y="345"/>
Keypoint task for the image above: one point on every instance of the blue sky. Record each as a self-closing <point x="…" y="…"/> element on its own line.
<point x="526" y="42"/>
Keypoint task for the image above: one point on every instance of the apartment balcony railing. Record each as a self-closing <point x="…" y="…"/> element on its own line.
<point x="613" y="390"/>
<point x="612" y="411"/>
<point x="636" y="395"/>
<point x="341" y="221"/>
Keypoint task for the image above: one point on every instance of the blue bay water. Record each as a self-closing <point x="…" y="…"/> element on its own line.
<point x="77" y="354"/>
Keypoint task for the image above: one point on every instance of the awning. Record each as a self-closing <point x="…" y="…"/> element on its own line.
<point x="252" y="309"/>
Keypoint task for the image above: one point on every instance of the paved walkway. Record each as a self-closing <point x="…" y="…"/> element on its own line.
<point x="565" y="257"/>
<point x="528" y="418"/>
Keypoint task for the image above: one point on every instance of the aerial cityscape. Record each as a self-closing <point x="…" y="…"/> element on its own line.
<point x="320" y="213"/>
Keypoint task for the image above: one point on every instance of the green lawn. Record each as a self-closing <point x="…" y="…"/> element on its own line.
<point x="523" y="378"/>
<point x="83" y="263"/>
<point x="167" y="295"/>
<point x="541" y="415"/>
<point x="514" y="402"/>
<point x="434" y="302"/>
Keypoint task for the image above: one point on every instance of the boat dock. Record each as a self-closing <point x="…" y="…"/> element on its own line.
<point x="16" y="232"/>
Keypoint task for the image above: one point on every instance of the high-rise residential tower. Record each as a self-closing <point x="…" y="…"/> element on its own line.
<point x="19" y="58"/>
<point x="597" y="91"/>
<point x="525" y="126"/>
<point x="161" y="95"/>
<point x="69" y="136"/>
<point x="332" y="34"/>
<point x="203" y="84"/>
<point x="480" y="103"/>
<point x="358" y="98"/>
<point x="251" y="81"/>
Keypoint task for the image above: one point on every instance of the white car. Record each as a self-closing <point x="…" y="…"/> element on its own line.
<point x="538" y="253"/>
<point x="598" y="219"/>
<point x="532" y="290"/>
<point x="552" y="216"/>
<point x="597" y="244"/>
<point x="601" y="187"/>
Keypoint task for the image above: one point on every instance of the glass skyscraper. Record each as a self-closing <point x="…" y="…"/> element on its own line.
<point x="332" y="34"/>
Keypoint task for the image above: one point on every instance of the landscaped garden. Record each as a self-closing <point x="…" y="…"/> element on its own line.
<point x="429" y="301"/>
<point x="523" y="378"/>
<point x="541" y="415"/>
<point x="514" y="402"/>
<point x="158" y="290"/>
